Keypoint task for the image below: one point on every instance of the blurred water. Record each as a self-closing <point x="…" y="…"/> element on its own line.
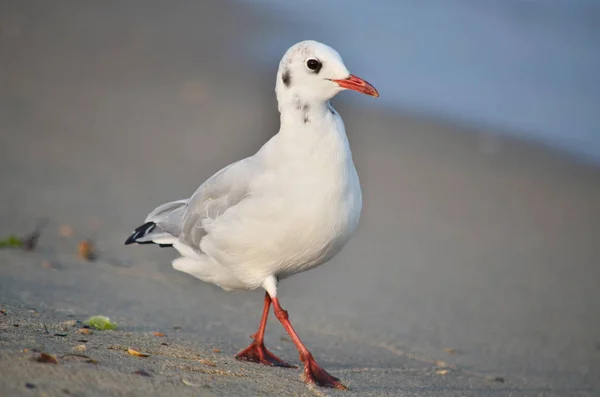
<point x="531" y="68"/>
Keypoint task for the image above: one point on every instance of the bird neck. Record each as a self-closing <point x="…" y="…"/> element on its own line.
<point x="297" y="112"/>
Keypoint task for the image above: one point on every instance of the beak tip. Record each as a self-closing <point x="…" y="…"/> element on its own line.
<point x="359" y="85"/>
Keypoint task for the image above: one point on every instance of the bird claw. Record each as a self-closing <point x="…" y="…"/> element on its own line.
<point x="316" y="375"/>
<point x="258" y="353"/>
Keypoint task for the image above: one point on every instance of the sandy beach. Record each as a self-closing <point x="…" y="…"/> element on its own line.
<point x="474" y="271"/>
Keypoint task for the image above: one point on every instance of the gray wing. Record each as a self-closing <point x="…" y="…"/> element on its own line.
<point x="183" y="219"/>
<point x="214" y="197"/>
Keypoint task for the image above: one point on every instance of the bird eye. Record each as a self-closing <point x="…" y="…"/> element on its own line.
<point x="313" y="64"/>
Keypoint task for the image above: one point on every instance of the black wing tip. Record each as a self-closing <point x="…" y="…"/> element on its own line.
<point x="139" y="232"/>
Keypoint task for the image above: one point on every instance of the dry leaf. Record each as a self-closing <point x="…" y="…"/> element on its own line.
<point x="217" y="350"/>
<point x="85" y="331"/>
<point x="65" y="230"/>
<point x="3" y="311"/>
<point x="159" y="334"/>
<point x="86" y="250"/>
<point x="80" y="348"/>
<point x="442" y="372"/>
<point x="137" y="353"/>
<point x="69" y="323"/>
<point x="441" y="363"/>
<point x="46" y="358"/>
<point x="450" y="350"/>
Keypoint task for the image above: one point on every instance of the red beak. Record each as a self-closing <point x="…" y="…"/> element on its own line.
<point x="357" y="84"/>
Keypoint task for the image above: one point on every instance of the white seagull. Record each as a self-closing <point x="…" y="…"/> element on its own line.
<point x="290" y="207"/>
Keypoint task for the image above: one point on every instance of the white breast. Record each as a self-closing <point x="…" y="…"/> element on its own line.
<point x="320" y="195"/>
<point x="304" y="204"/>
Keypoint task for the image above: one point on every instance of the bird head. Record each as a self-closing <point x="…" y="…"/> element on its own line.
<point x="314" y="71"/>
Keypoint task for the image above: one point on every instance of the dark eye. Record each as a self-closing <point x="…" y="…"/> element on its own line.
<point x="313" y="64"/>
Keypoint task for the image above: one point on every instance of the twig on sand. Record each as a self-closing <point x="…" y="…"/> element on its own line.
<point x="27" y="242"/>
<point x="30" y="241"/>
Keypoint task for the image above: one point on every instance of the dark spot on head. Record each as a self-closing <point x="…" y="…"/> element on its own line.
<point x="306" y="107"/>
<point x="306" y="119"/>
<point x="286" y="78"/>
<point x="314" y="65"/>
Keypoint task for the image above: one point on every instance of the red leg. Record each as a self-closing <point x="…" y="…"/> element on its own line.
<point x="313" y="373"/>
<point x="257" y="352"/>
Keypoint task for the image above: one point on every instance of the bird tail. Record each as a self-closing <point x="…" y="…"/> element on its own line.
<point x="162" y="227"/>
<point x="149" y="233"/>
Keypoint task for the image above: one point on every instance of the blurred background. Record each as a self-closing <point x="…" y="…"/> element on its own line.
<point x="522" y="67"/>
<point x="479" y="165"/>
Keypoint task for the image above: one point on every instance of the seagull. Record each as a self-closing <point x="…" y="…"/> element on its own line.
<point x="288" y="208"/>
